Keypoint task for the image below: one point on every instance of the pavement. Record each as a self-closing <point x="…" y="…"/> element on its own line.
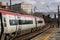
<point x="45" y="35"/>
<point x="56" y="35"/>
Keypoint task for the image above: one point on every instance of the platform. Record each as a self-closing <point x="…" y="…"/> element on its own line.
<point x="46" y="35"/>
<point x="56" y="35"/>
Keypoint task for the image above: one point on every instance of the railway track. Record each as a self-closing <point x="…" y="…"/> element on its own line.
<point x="31" y="35"/>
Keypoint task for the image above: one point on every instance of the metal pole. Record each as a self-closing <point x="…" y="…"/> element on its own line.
<point x="10" y="4"/>
<point x="55" y="16"/>
<point x="58" y="15"/>
<point x="34" y="9"/>
<point x="31" y="11"/>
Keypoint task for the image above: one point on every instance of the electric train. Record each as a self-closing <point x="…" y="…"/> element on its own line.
<point x="14" y="23"/>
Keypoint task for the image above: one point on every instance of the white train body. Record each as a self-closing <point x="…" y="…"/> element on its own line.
<point x="13" y="22"/>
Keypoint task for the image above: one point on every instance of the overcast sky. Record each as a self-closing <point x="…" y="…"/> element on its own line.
<point x="41" y="5"/>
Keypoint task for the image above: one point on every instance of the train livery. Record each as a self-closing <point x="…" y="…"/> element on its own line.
<point x="12" y="23"/>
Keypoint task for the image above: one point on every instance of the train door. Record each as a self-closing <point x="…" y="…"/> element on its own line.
<point x="17" y="26"/>
<point x="36" y="22"/>
<point x="1" y="26"/>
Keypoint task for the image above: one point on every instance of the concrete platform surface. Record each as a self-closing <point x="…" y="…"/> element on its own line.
<point x="46" y="35"/>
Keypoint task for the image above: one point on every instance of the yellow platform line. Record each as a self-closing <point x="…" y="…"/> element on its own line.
<point x="46" y="35"/>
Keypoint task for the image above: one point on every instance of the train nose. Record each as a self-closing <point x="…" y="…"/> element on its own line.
<point x="1" y="29"/>
<point x="0" y="32"/>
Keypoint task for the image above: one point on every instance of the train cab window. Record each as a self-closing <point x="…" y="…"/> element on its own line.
<point x="40" y="21"/>
<point x="25" y="22"/>
<point x="13" y="22"/>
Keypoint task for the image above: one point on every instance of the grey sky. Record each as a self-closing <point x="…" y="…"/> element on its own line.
<point x="16" y="1"/>
<point x="41" y="5"/>
<point x="8" y="1"/>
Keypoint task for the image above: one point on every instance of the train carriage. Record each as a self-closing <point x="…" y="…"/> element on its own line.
<point x="19" y="23"/>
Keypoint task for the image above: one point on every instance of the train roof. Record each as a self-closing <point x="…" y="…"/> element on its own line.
<point x="4" y="12"/>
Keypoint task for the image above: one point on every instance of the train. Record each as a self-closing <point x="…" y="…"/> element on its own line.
<point x="14" y="23"/>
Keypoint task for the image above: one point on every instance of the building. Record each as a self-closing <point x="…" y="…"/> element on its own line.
<point x="38" y="14"/>
<point x="16" y="7"/>
<point x="4" y="6"/>
<point x="22" y="7"/>
<point x="27" y="7"/>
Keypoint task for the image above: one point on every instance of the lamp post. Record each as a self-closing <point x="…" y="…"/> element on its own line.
<point x="58" y="15"/>
<point x="10" y="4"/>
<point x="34" y="9"/>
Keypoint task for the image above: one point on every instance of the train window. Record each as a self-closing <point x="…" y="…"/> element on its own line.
<point x="13" y="22"/>
<point x="40" y="21"/>
<point x="29" y="21"/>
<point x="25" y="22"/>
